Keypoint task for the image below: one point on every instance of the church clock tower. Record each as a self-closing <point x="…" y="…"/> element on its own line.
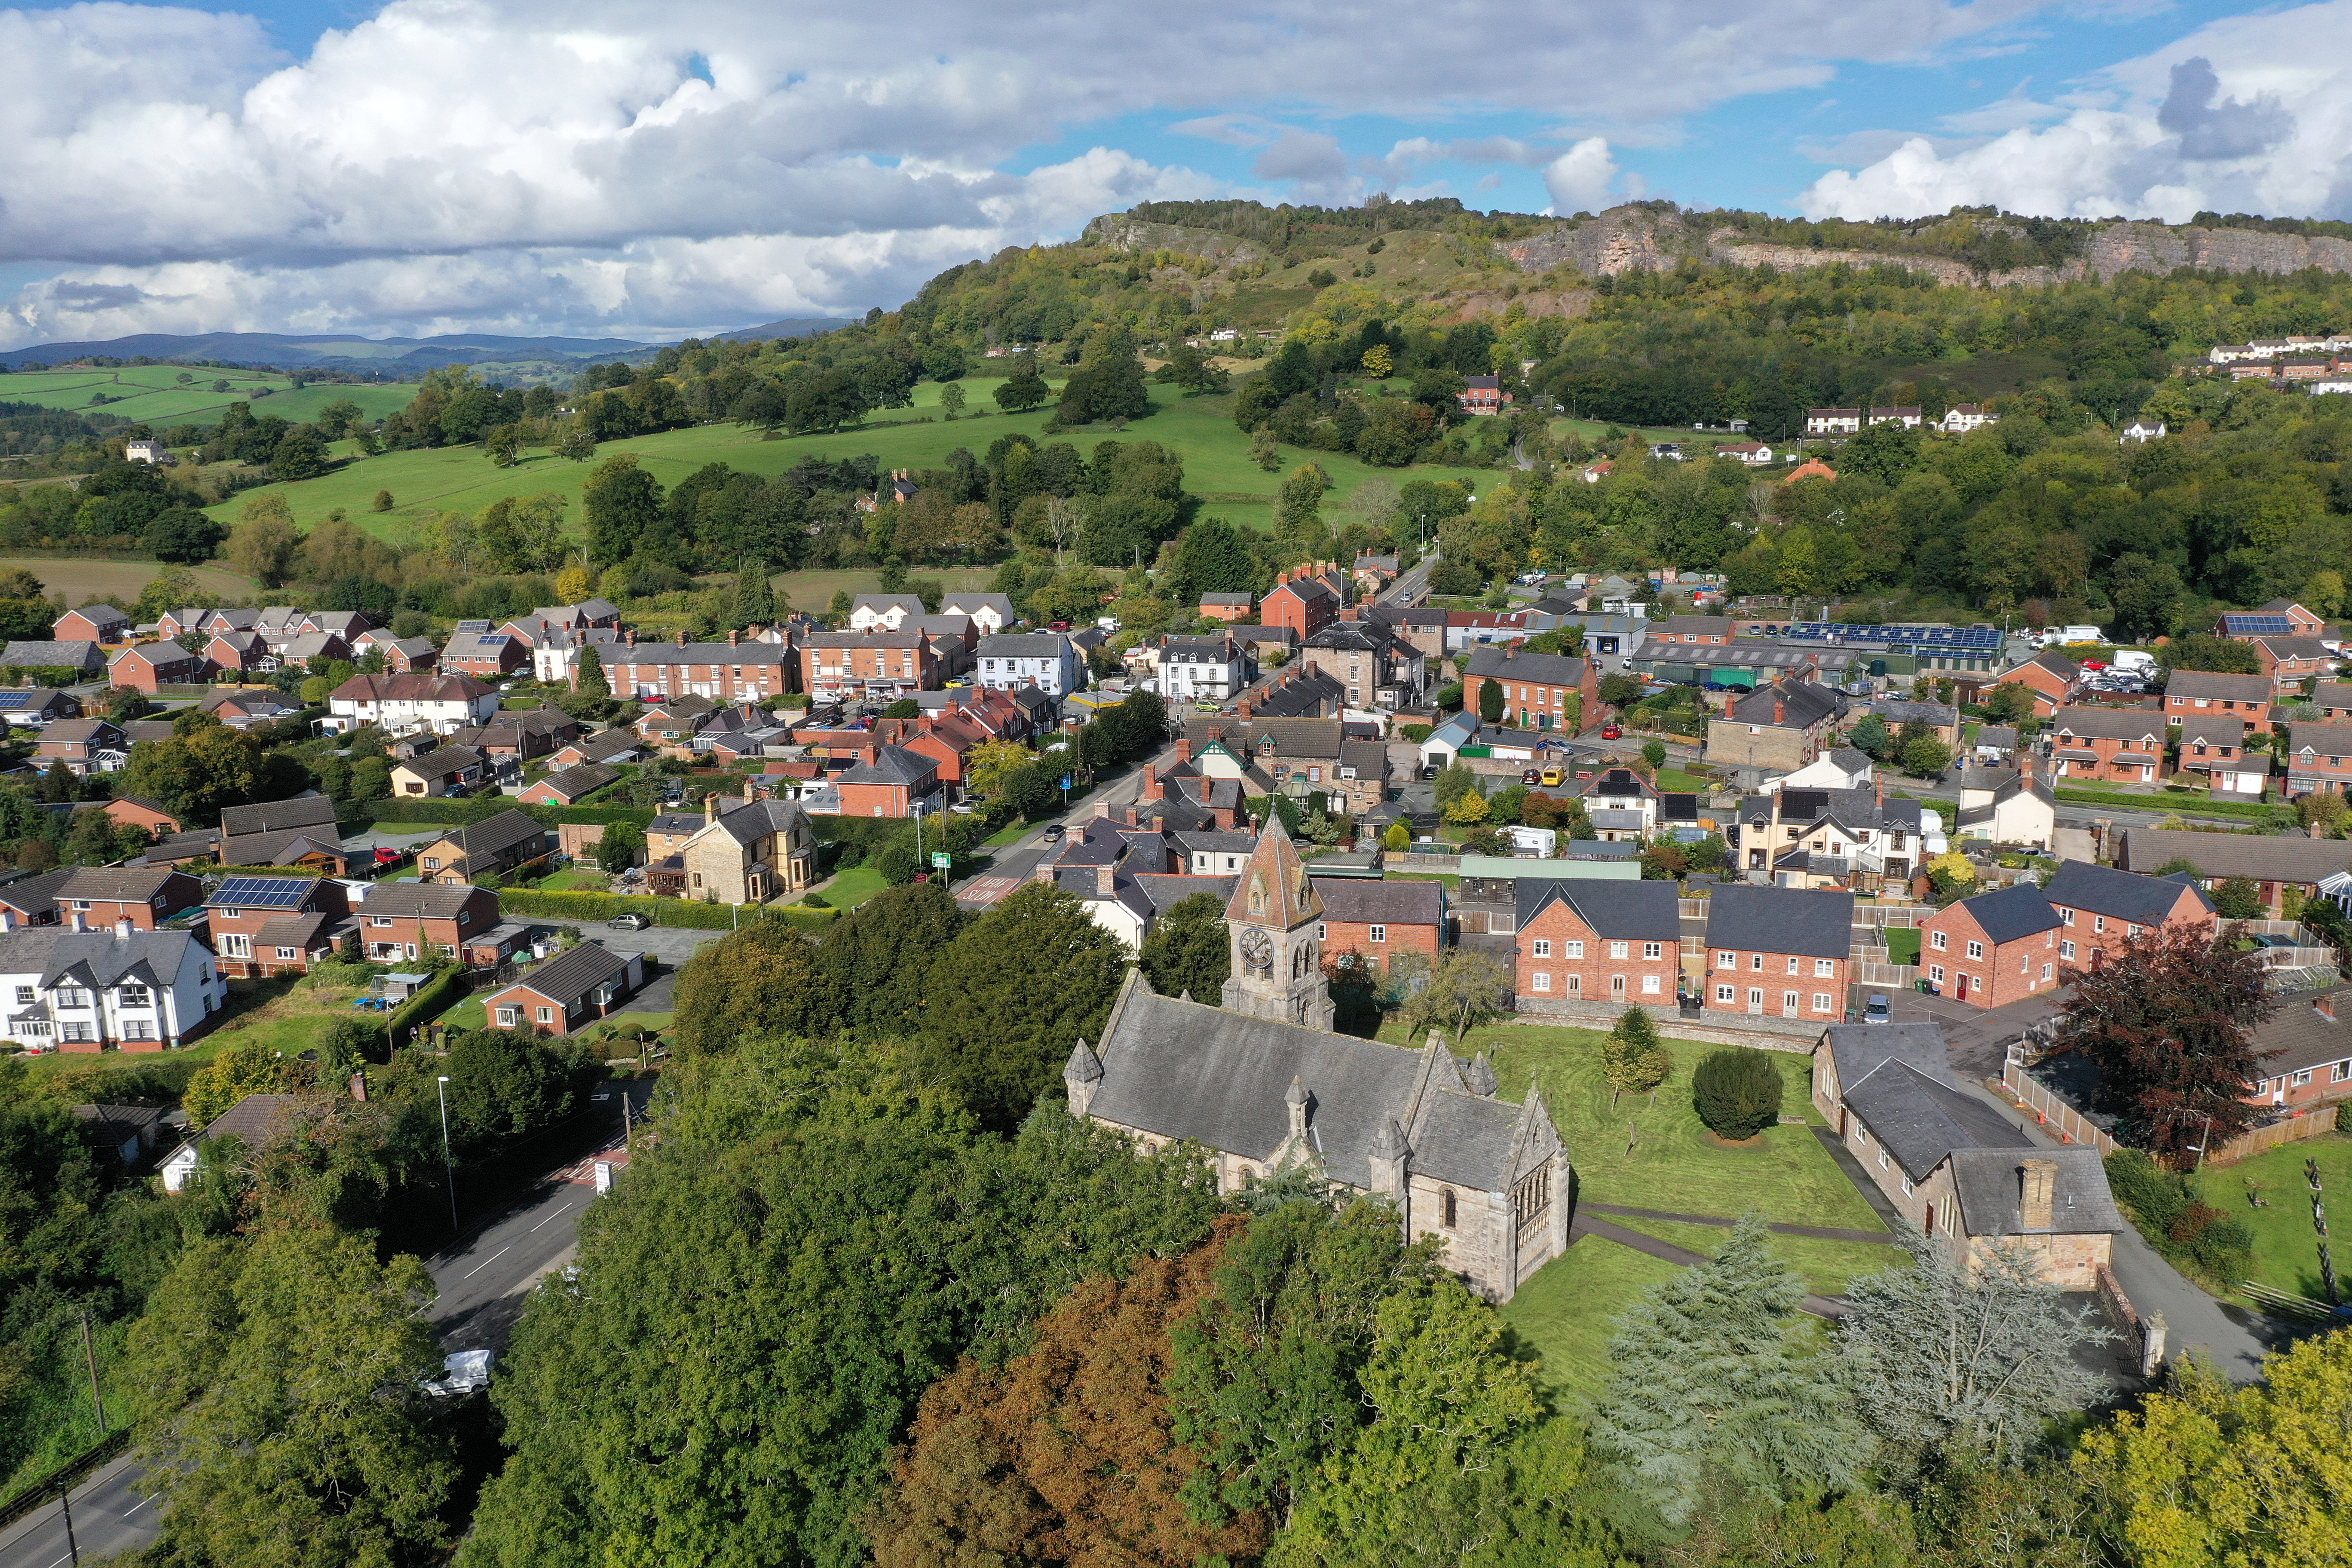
<point x="1277" y="963"/>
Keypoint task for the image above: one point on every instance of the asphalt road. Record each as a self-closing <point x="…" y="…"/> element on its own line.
<point x="1014" y="861"/>
<point x="483" y="1279"/>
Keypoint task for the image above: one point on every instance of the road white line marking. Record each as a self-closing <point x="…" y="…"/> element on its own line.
<point x="134" y="1508"/>
<point x="551" y="1219"/>
<point x="486" y="1262"/>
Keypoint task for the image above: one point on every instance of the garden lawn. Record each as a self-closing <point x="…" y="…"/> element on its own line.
<point x="1789" y="1177"/>
<point x="289" y="1021"/>
<point x="1564" y="1311"/>
<point x="1826" y="1267"/>
<point x="577" y="881"/>
<point x="1011" y="833"/>
<point x="426" y="483"/>
<point x="1677" y="781"/>
<point x="1901" y="946"/>
<point x="2286" y="1248"/>
<point x="852" y="888"/>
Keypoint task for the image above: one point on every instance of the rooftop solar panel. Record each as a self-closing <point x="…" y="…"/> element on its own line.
<point x="263" y="892"/>
<point x="2258" y="626"/>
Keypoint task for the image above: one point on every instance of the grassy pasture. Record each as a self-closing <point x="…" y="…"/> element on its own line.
<point x="80" y="580"/>
<point x="152" y="393"/>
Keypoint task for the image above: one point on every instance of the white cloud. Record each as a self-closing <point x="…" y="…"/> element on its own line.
<point x="607" y="163"/>
<point x="1579" y="178"/>
<point x="2250" y="114"/>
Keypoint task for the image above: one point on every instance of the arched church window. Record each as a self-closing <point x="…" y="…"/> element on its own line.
<point x="1446" y="1205"/>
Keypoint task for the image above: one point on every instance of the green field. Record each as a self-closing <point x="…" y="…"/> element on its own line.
<point x="81" y="579"/>
<point x="2286" y="1247"/>
<point x="462" y="479"/>
<point x="152" y="393"/>
<point x="1565" y="1311"/>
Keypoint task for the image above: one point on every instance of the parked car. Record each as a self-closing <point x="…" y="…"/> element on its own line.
<point x="1531" y="776"/>
<point x="1612" y="732"/>
<point x="630" y="921"/>
<point x="1056" y="833"/>
<point x="1875" y="1011"/>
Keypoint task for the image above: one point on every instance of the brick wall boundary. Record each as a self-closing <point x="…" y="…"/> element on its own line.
<point x="1775" y="1035"/>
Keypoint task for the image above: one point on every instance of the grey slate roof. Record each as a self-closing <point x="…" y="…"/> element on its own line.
<point x="1921" y="1119"/>
<point x="413" y="900"/>
<point x="1859" y="1049"/>
<point x="493" y="834"/>
<point x="1365" y="901"/>
<point x="2103" y="889"/>
<point x="969" y="603"/>
<point x="912" y="604"/>
<point x="1799" y="706"/>
<point x="1940" y="715"/>
<point x="1543" y="668"/>
<point x="1989" y="1181"/>
<point x="892" y="765"/>
<point x="269" y="816"/>
<point x="1024" y="645"/>
<point x="58" y="655"/>
<point x="1303" y="696"/>
<point x="2110" y="723"/>
<point x="442" y="762"/>
<point x="2012" y="913"/>
<point x="101" y="959"/>
<point x="1639" y="911"/>
<point x="570" y="976"/>
<point x="2302" y="1035"/>
<point x="1184" y="1070"/>
<point x="760" y="819"/>
<point x="2205" y="683"/>
<point x="585" y="779"/>
<point x="1781" y="919"/>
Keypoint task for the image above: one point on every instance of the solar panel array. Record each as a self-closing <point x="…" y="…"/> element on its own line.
<point x="263" y="892"/>
<point x="1982" y="638"/>
<point x="2252" y="626"/>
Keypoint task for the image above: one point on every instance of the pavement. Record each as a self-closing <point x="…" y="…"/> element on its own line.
<point x="483" y="1279"/>
<point x="1978" y="1038"/>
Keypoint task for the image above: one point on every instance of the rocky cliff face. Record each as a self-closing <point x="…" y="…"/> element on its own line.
<point x="1121" y="232"/>
<point x="1635" y="239"/>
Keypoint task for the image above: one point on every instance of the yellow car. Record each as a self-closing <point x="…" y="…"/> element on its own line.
<point x="1554" y="777"/>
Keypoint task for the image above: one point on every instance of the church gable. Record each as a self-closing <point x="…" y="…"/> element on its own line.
<point x="1274" y="889"/>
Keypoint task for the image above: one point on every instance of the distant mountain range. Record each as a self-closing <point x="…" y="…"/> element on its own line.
<point x="350" y="351"/>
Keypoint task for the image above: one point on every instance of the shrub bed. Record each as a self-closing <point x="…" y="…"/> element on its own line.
<point x="2169" y="1209"/>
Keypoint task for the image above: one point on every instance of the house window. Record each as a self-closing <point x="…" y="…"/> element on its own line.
<point x="1821" y="1001"/>
<point x="132" y="997"/>
<point x="289" y="952"/>
<point x="1652" y="950"/>
<point x="1446" y="1203"/>
<point x="379" y="919"/>
<point x="1542" y="982"/>
<point x="2303" y="1077"/>
<point x="2066" y="951"/>
<point x="2066" y="916"/>
<point x="1882" y="1156"/>
<point x="1906" y="1186"/>
<point x="1938" y="941"/>
<point x="1726" y="961"/>
<point x="1756" y="961"/>
<point x="432" y="863"/>
<point x="1619" y="949"/>
<point x="1936" y="972"/>
<point x="1824" y="968"/>
<point x="2099" y="923"/>
<point x="1379" y="934"/>
<point x="1976" y="950"/>
<point x="1650" y="986"/>
<point x="2339" y="1072"/>
<point x="506" y="1018"/>
<point x="1575" y="949"/>
<point x="1543" y="947"/>
<point x="1726" y="995"/>
<point x="1792" y="963"/>
<point x="547" y="1014"/>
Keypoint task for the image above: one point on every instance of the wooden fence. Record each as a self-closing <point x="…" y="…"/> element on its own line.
<point x="2068" y="1123"/>
<point x="2293" y="1130"/>
<point x="1899" y="977"/>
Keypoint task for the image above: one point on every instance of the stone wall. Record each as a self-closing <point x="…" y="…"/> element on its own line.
<point x="1772" y="1033"/>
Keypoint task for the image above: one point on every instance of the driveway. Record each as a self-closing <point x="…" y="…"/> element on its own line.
<point x="1977" y="1037"/>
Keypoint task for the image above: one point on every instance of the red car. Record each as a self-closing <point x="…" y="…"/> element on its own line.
<point x="1612" y="732"/>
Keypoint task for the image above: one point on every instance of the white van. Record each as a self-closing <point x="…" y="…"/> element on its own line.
<point x="2134" y="658"/>
<point x="2058" y="636"/>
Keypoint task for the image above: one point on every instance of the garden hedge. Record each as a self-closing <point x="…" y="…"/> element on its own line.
<point x="438" y="994"/>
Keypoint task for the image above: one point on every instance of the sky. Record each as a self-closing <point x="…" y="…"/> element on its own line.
<point x="652" y="171"/>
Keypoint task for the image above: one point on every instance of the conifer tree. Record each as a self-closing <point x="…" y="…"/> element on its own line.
<point x="755" y="596"/>
<point x="1707" y="1383"/>
<point x="593" y="682"/>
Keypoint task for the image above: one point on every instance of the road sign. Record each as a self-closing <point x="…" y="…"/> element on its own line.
<point x="1066" y="781"/>
<point x="941" y="862"/>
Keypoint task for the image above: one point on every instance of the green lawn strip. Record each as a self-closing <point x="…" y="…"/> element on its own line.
<point x="1678" y="782"/>
<point x="2187" y="804"/>
<point x="472" y="1013"/>
<point x="2286" y="1247"/>
<point x="1902" y="946"/>
<point x="569" y="881"/>
<point x="1564" y="1313"/>
<point x="289" y="1021"/>
<point x="1826" y="1267"/>
<point x="1450" y="879"/>
<point x="1670" y="1168"/>
<point x="1011" y="833"/>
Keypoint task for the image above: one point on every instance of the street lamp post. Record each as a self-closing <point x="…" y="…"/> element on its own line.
<point x="448" y="1165"/>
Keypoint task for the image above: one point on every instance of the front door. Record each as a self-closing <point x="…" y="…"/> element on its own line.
<point x="1756" y="1001"/>
<point x="1961" y="987"/>
<point x="1789" y="1008"/>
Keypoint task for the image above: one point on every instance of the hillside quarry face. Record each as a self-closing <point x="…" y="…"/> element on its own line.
<point x="1638" y="239"/>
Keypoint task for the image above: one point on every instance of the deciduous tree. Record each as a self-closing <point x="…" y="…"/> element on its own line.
<point x="1188" y="950"/>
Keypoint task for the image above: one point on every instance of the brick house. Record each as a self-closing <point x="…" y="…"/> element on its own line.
<point x="568" y="991"/>
<point x="240" y="652"/>
<point x="262" y="926"/>
<point x="1779" y="728"/>
<point x="730" y="671"/>
<point x="2306" y="1051"/>
<point x="2286" y="661"/>
<point x="442" y="770"/>
<point x="2051" y="677"/>
<point x="484" y="656"/>
<point x="1381" y="920"/>
<point x="402" y="704"/>
<point x="2200" y="694"/>
<point x="2318" y="758"/>
<point x="2100" y="908"/>
<point x="1537" y="687"/>
<point x="84" y="745"/>
<point x="1994" y="949"/>
<point x="1380" y="671"/>
<point x="1779" y="950"/>
<point x="96" y="898"/>
<point x="1706" y="630"/>
<point x="1302" y="602"/>
<point x="2214" y="748"/>
<point x="568" y="786"/>
<point x="400" y="921"/>
<point x="130" y="811"/>
<point x="882" y="664"/>
<point x="485" y="848"/>
<point x="1482" y="394"/>
<point x="2285" y="868"/>
<point x="1952" y="1166"/>
<point x="92" y="622"/>
<point x="1617" y="942"/>
<point x="2280" y="617"/>
<point x="892" y="785"/>
<point x="152" y="665"/>
<point x="1227" y="606"/>
<point x="2122" y="744"/>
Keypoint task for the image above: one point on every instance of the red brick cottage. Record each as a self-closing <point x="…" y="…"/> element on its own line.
<point x="1785" y="951"/>
<point x="1994" y="949"/>
<point x="1614" y="942"/>
<point x="2099" y="908"/>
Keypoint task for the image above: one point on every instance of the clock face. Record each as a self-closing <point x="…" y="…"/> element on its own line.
<point x="1257" y="949"/>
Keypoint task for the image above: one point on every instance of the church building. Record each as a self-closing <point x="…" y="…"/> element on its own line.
<point x="1265" y="1086"/>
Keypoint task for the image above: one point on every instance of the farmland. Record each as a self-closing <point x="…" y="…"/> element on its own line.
<point x="154" y="393"/>
<point x="81" y="579"/>
<point x="461" y="478"/>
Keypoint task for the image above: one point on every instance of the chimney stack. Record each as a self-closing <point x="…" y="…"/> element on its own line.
<point x="2037" y="1194"/>
<point x="632" y="637"/>
<point x="1105" y="875"/>
<point x="1779" y="706"/>
<point x="734" y="639"/>
<point x="710" y="808"/>
<point x="2324" y="1005"/>
<point x="122" y="928"/>
<point x="1183" y="750"/>
<point x="681" y="636"/>
<point x="1151" y="781"/>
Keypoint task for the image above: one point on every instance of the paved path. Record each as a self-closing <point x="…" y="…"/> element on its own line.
<point x="1818" y="1232"/>
<point x="1817" y="1306"/>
